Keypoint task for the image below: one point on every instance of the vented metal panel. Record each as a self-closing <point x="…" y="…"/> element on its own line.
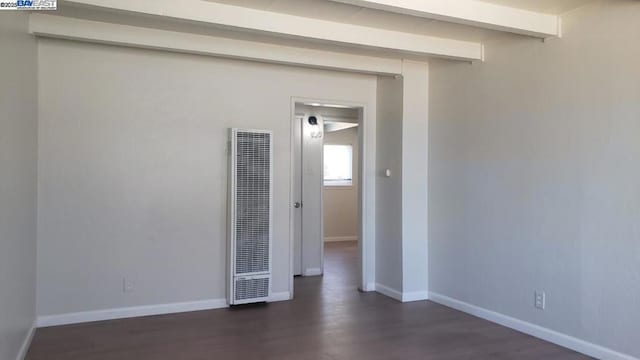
<point x="250" y="216"/>
<point x="253" y="202"/>
<point x="251" y="288"/>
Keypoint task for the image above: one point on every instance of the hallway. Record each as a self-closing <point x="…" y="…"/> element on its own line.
<point x="329" y="319"/>
<point x="340" y="277"/>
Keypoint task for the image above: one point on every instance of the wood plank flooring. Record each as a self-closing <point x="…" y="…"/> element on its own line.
<point x="329" y="319"/>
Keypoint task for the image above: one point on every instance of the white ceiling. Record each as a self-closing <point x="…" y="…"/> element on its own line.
<point x="329" y="10"/>
<point x="234" y="24"/>
<point x="333" y="11"/>
<point x="556" y="7"/>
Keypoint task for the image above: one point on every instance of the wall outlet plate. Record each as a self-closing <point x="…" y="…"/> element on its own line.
<point x="127" y="285"/>
<point x="540" y="300"/>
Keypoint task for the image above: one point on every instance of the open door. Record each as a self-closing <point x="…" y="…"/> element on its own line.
<point x="297" y="194"/>
<point x="307" y="195"/>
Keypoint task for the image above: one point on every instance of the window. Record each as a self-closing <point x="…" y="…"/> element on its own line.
<point x="338" y="165"/>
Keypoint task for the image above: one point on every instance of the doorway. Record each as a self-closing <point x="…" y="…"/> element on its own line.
<point x="326" y="187"/>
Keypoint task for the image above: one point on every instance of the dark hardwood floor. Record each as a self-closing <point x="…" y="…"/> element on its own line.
<point x="329" y="319"/>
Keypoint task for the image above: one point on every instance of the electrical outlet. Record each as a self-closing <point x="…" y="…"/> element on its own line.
<point x="540" y="300"/>
<point x="127" y="285"/>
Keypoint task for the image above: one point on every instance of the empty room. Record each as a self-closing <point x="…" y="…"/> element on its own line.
<point x="319" y="179"/>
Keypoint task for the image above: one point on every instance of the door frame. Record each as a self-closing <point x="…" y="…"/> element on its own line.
<point x="366" y="192"/>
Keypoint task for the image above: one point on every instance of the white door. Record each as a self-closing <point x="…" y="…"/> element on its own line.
<point x="307" y="202"/>
<point x="297" y="195"/>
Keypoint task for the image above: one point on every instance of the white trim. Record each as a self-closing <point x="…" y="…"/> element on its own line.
<point x="293" y="26"/>
<point x="387" y="291"/>
<point x="338" y="187"/>
<point x="129" y="312"/>
<point x="546" y="334"/>
<point x="138" y="311"/>
<point x="337" y="184"/>
<point x="312" y="272"/>
<point x="472" y="12"/>
<point x="415" y="296"/>
<point x="369" y="287"/>
<point x="24" y="349"/>
<point x="367" y="148"/>
<point x="280" y="296"/>
<point x="139" y="37"/>
<point x="341" y="238"/>
<point x="321" y="189"/>
<point x="401" y="296"/>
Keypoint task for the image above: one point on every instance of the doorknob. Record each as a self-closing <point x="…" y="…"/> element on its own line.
<point x="297" y="205"/>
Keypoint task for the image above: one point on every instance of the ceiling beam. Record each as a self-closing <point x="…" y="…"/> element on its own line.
<point x="472" y="12"/>
<point x="60" y="27"/>
<point x="292" y="26"/>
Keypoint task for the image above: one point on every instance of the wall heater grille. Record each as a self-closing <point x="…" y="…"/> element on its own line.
<point x="251" y="173"/>
<point x="252" y="288"/>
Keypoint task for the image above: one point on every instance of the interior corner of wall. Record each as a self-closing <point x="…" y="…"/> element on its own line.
<point x="559" y="26"/>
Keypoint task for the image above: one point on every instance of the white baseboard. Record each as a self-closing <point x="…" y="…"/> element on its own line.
<point x="387" y="291"/>
<point x="540" y="332"/>
<point x="128" y="312"/>
<point x="24" y="349"/>
<point x="369" y="287"/>
<point x="400" y="296"/>
<point x="280" y="296"/>
<point x="312" y="272"/>
<point x="137" y="311"/>
<point x="415" y="296"/>
<point x="341" y="238"/>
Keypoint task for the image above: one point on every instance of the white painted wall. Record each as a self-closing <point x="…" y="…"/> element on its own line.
<point x="341" y="202"/>
<point x="534" y="173"/>
<point x="402" y="237"/>
<point x="133" y="168"/>
<point x="18" y="166"/>
<point x="415" y="155"/>
<point x="389" y="189"/>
